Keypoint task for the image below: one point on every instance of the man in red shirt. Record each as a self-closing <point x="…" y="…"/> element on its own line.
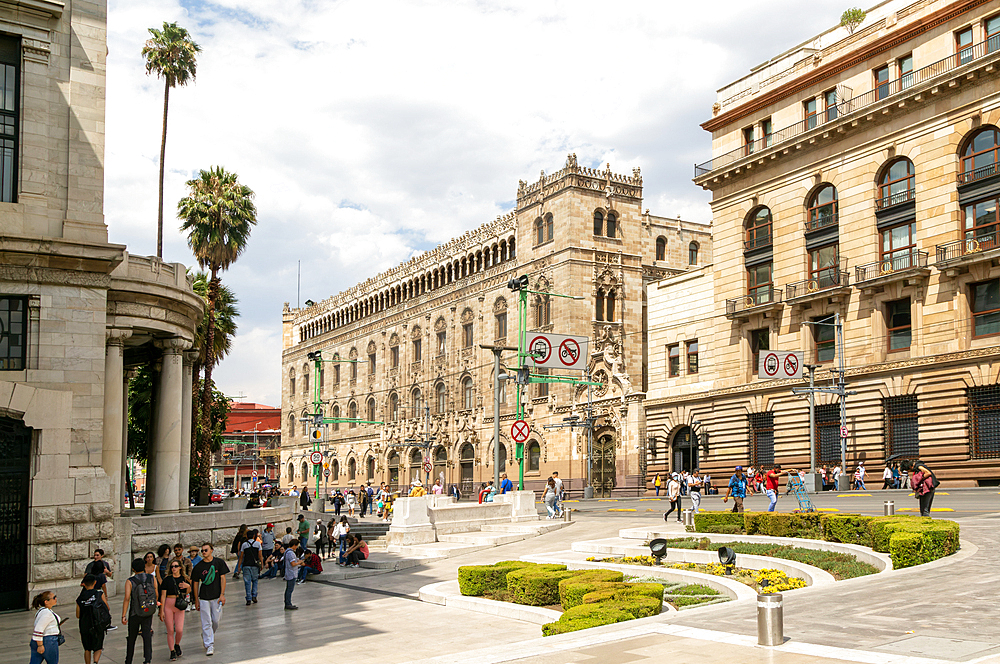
<point x="771" y="484"/>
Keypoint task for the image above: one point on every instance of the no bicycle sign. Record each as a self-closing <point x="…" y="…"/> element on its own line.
<point x="558" y="351"/>
<point x="777" y="364"/>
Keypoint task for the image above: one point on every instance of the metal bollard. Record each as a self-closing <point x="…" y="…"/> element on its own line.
<point x="889" y="507"/>
<point x="687" y="517"/>
<point x="567" y="513"/>
<point x="770" y="620"/>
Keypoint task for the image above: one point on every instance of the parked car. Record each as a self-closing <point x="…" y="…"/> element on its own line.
<point x="217" y="495"/>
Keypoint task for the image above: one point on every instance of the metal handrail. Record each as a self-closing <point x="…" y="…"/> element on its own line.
<point x="823" y="280"/>
<point x="759" y="241"/>
<point x="980" y="173"/>
<point x="751" y="300"/>
<point x="881" y="92"/>
<point x="889" y="200"/>
<point x="822" y="221"/>
<point x="967" y="246"/>
<point x="886" y="266"/>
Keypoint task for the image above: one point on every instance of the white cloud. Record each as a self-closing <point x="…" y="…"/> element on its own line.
<point x="373" y="130"/>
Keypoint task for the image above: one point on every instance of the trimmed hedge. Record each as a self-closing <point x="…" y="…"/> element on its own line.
<point x="537" y="585"/>
<point x="905" y="549"/>
<point x="782" y="524"/>
<point x="585" y="616"/>
<point x="572" y="590"/>
<point x="624" y="592"/>
<point x="479" y="580"/>
<point x="847" y="528"/>
<point x="938" y="539"/>
<point x="711" y="522"/>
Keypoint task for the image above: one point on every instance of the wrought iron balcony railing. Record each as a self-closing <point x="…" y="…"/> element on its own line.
<point x="845" y="107"/>
<point x="980" y="173"/>
<point x="758" y="242"/>
<point x="970" y="246"/>
<point x="888" y="200"/>
<point x="822" y="221"/>
<point x="890" y="265"/>
<point x="756" y="299"/>
<point x="819" y="282"/>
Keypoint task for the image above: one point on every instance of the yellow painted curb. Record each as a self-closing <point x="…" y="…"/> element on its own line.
<point x="827" y="509"/>
<point x="853" y="495"/>
<point x="607" y="500"/>
<point x="571" y="501"/>
<point x="642" y="500"/>
<point x="917" y="509"/>
<point x="620" y="509"/>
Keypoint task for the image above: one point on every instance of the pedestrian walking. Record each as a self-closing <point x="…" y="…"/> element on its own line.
<point x="303" y="531"/>
<point x="559" y="492"/>
<point x="138" y="609"/>
<point x="173" y="601"/>
<point x="695" y="485"/>
<point x="887" y="477"/>
<point x="837" y="472"/>
<point x="320" y="533"/>
<point x="549" y="498"/>
<point x="674" y="496"/>
<point x="46" y="634"/>
<point x="352" y="503"/>
<point x="209" y="594"/>
<point x="738" y="488"/>
<point x="923" y="482"/>
<point x="338" y="501"/>
<point x="437" y="488"/>
<point x="234" y="548"/>
<point x="99" y="567"/>
<point x="656" y="483"/>
<point x="772" y="480"/>
<point x="291" y="562"/>
<point x="251" y="560"/>
<point x="304" y="499"/>
<point x="94" y="613"/>
<point x="267" y="541"/>
<point x="162" y="558"/>
<point x="505" y="484"/>
<point x="859" y="477"/>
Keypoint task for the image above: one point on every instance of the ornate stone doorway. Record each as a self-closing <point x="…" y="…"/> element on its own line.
<point x="603" y="471"/>
<point x="685" y="450"/>
<point x="15" y="455"/>
<point x="466" y="460"/>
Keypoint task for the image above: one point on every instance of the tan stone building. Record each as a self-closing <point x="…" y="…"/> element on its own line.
<point x="855" y="174"/>
<point x="75" y="312"/>
<point x="415" y="332"/>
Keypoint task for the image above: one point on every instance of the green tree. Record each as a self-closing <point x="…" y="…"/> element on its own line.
<point x="218" y="214"/>
<point x="852" y="18"/>
<point x="172" y="55"/>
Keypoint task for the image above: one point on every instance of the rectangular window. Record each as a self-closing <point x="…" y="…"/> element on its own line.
<point x="985" y="298"/>
<point x="371" y="364"/>
<point x="467" y="335"/>
<point x="416" y="350"/>
<point x="543" y="388"/>
<point x="761" y="427"/>
<point x="824" y="338"/>
<point x="10" y="86"/>
<point x="981" y="225"/>
<point x="899" y="245"/>
<point x="766" y="131"/>
<point x="759" y="283"/>
<point x="442" y="338"/>
<point x="828" y="433"/>
<point x="984" y="421"/>
<point x="13" y="333"/>
<point x="354" y="371"/>
<point x="963" y="45"/>
<point x="992" y="26"/>
<point x="901" y="433"/>
<point x="748" y="140"/>
<point x="674" y="360"/>
<point x="336" y="374"/>
<point x="905" y="66"/>
<point x="692" y="357"/>
<point x="394" y="357"/>
<point x="501" y="326"/>
<point x="881" y="76"/>
<point x="760" y="339"/>
<point x="823" y="267"/>
<point x="809" y="108"/>
<point x="897" y="323"/>
<point x="830" y="104"/>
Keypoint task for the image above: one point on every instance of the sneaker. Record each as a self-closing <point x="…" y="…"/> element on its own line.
<point x="249" y="602"/>
<point x="177" y="649"/>
<point x="112" y="628"/>
<point x="173" y="656"/>
<point x="254" y="600"/>
<point x="291" y="608"/>
<point x="209" y="651"/>
<point x="665" y="517"/>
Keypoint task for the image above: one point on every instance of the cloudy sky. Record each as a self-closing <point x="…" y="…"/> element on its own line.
<point x="371" y="131"/>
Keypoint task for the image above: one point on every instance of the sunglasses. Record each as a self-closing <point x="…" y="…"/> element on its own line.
<point x="175" y="567"/>
<point x="205" y="550"/>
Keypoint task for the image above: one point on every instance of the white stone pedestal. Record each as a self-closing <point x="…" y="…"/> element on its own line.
<point x="411" y="523"/>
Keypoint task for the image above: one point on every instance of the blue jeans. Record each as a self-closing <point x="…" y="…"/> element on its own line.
<point x="289" y="588"/>
<point x="773" y="496"/>
<point x="51" y="645"/>
<point x="343" y="548"/>
<point x="305" y="569"/>
<point x="250" y="576"/>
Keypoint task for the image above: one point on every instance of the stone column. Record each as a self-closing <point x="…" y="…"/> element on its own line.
<point x="113" y="446"/>
<point x="165" y="456"/>
<point x="187" y="386"/>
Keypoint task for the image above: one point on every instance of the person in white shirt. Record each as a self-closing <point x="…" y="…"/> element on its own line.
<point x="887" y="478"/>
<point x="45" y="635"/>
<point x="559" y="492"/>
<point x="674" y="496"/>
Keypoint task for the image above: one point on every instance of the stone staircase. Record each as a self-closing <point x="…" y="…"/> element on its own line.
<point x="488" y="536"/>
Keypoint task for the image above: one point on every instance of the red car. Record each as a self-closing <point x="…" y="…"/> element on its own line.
<point x="217" y="495"/>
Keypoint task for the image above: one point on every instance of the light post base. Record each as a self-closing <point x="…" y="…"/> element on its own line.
<point x="588" y="492"/>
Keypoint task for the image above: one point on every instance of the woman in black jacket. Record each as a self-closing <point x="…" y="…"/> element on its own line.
<point x="241" y="536"/>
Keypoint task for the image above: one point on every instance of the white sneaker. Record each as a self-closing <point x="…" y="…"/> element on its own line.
<point x="209" y="651"/>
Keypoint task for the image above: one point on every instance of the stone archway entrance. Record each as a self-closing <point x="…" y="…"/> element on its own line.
<point x="15" y="463"/>
<point x="603" y="472"/>
<point x="685" y="450"/>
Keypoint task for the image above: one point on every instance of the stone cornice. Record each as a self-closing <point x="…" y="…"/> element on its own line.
<point x="44" y="7"/>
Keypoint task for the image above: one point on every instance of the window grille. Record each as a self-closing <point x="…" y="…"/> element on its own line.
<point x="900" y="433"/>
<point x="761" y="438"/>
<point x="828" y="433"/>
<point x="984" y="421"/>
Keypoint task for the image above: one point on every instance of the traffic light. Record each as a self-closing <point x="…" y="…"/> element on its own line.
<point x="518" y="283"/>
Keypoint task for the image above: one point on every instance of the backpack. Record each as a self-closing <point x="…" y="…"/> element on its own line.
<point x="98" y="615"/>
<point x="143" y="596"/>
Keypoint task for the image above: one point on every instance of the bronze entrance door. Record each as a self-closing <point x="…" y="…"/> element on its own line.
<point x="603" y="471"/>
<point x="15" y="453"/>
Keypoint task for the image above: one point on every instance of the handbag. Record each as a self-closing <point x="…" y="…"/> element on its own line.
<point x="181" y="603"/>
<point x="60" y="639"/>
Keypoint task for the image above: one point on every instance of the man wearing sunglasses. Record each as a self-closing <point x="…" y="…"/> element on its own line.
<point x="209" y="580"/>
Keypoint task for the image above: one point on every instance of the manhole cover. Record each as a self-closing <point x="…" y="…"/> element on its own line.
<point x="933" y="646"/>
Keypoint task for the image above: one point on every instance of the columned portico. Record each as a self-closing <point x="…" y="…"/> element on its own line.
<point x="187" y="383"/>
<point x="164" y="473"/>
<point x="113" y="449"/>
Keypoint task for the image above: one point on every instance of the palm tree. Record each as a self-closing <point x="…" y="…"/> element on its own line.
<point x="218" y="214"/>
<point x="171" y="54"/>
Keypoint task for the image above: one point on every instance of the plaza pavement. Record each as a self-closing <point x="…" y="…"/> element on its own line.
<point x="942" y="612"/>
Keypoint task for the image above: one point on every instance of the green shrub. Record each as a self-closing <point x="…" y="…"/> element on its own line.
<point x="639" y="606"/>
<point x="479" y="580"/>
<point x="941" y="538"/>
<point x="572" y="590"/>
<point x="715" y="522"/>
<point x="847" y="528"/>
<point x="781" y="524"/>
<point x="621" y="592"/>
<point x="694" y="589"/>
<point x="585" y="616"/>
<point x="906" y="549"/>
<point x="538" y="585"/>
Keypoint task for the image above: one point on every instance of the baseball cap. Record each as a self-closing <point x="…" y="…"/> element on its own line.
<point x="270" y="525"/>
<point x="739" y="467"/>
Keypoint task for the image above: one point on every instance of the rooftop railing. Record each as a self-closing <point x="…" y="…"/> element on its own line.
<point x="879" y="93"/>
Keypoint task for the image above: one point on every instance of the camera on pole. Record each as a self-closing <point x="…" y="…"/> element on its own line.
<point x="523" y="376"/>
<point x="315" y="356"/>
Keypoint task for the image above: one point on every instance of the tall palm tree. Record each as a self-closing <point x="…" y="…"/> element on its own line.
<point x="218" y="214"/>
<point x="170" y="54"/>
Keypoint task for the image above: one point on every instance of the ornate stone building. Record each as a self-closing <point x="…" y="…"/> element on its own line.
<point x="855" y="174"/>
<point x="75" y="313"/>
<point x="411" y="337"/>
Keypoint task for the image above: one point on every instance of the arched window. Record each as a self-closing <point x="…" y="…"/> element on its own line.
<point x="370" y="468"/>
<point x="305" y="471"/>
<point x="612" y="225"/>
<point x="440" y="462"/>
<point x="980" y="155"/>
<point x="598" y="223"/>
<point x="599" y="306"/>
<point x="534" y="456"/>
<point x="609" y="306"/>
<point x="371" y="409"/>
<point x="693" y="253"/>
<point x="661" y="248"/>
<point x="335" y="470"/>
<point x="503" y="458"/>
<point x="539" y="231"/>
<point x="822" y="208"/>
<point x="543" y="311"/>
<point x="352" y="469"/>
<point x="440" y="398"/>
<point x="895" y="186"/>
<point x="393" y="407"/>
<point x="417" y="400"/>
<point x="291" y="472"/>
<point x="393" y="465"/>
<point x="352" y="413"/>
<point x="291" y="425"/>
<point x="550" y="228"/>
<point x="468" y="397"/>
<point x="291" y="383"/>
<point x="305" y="427"/>
<point x="467" y="459"/>
<point x="758" y="225"/>
<point x="416" y="460"/>
<point x="305" y="383"/>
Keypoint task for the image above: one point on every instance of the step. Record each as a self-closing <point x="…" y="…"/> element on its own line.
<point x="487" y="539"/>
<point x="529" y="528"/>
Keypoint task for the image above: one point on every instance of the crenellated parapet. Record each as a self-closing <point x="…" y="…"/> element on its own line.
<point x="583" y="177"/>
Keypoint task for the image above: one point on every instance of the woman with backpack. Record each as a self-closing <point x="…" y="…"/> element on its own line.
<point x="94" y="613"/>
<point x="923" y="481"/>
<point x="46" y="635"/>
<point x="173" y="602"/>
<point x="138" y="610"/>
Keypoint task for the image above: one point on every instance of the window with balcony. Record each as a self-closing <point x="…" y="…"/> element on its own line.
<point x="692" y="357"/>
<point x="661" y="248"/>
<point x="963" y="45"/>
<point x="759" y="283"/>
<point x="673" y="360"/>
<point x="830" y="105"/>
<point x="748" y="139"/>
<point x="896" y="184"/>
<point x="766" y="129"/>
<point x="758" y="227"/>
<point x="823" y="262"/>
<point x="898" y="324"/>
<point x="905" y="67"/>
<point x="760" y="339"/>
<point x="822" y="208"/>
<point x="899" y="246"/>
<point x="881" y="82"/>
<point x="809" y="109"/>
<point x="981" y="225"/>
<point x="824" y="338"/>
<point x="985" y="299"/>
<point x="980" y="155"/>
